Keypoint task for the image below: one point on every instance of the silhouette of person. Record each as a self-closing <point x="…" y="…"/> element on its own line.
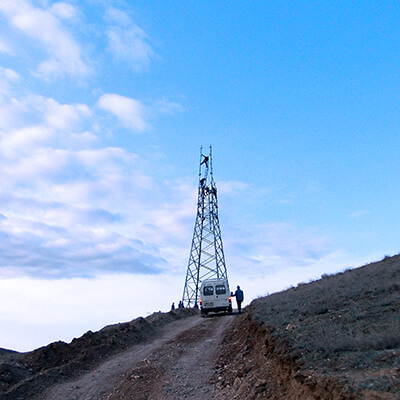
<point x="173" y="306"/>
<point x="239" y="298"/>
<point x="205" y="161"/>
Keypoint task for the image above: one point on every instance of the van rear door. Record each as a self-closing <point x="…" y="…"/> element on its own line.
<point x="220" y="294"/>
<point x="209" y="296"/>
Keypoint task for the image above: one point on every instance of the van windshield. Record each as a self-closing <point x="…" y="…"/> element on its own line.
<point x="208" y="291"/>
<point x="220" y="289"/>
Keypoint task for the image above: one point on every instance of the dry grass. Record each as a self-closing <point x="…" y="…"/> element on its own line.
<point x="345" y="325"/>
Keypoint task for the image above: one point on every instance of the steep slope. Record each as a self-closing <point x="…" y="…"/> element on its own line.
<point x="335" y="338"/>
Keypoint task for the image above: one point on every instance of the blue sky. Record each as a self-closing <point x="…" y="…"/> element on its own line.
<point x="103" y="108"/>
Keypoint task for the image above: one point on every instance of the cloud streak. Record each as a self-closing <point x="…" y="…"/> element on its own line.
<point x="46" y="27"/>
<point x="77" y="243"/>
<point x="72" y="208"/>
<point x="130" y="112"/>
<point x="126" y="41"/>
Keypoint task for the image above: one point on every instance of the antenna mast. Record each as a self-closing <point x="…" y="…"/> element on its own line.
<point x="206" y="260"/>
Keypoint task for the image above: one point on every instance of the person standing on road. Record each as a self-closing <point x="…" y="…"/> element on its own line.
<point x="239" y="298"/>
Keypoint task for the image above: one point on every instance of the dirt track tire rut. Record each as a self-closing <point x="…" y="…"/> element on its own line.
<point x="179" y="364"/>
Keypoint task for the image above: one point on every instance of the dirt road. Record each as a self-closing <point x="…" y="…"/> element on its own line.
<point x="178" y="364"/>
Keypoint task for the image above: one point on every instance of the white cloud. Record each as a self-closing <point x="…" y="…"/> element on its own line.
<point x="7" y="77"/>
<point x="75" y="242"/>
<point x="38" y="165"/>
<point x="104" y="158"/>
<point x="126" y="41"/>
<point x="115" y="16"/>
<point x="168" y="107"/>
<point x="61" y="203"/>
<point x="62" y="116"/>
<point x="9" y="74"/>
<point x="83" y="139"/>
<point x="5" y="47"/>
<point x="64" y="10"/>
<point x="65" y="55"/>
<point x="170" y="219"/>
<point x="35" y="121"/>
<point x="67" y="176"/>
<point x="12" y="113"/>
<point x="264" y="247"/>
<point x="16" y="142"/>
<point x="63" y="212"/>
<point x="130" y="112"/>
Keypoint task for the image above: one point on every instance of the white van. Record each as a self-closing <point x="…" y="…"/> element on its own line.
<point x="215" y="296"/>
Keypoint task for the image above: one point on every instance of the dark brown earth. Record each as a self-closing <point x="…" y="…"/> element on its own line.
<point x="335" y="338"/>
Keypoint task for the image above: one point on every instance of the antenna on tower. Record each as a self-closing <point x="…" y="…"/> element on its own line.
<point x="206" y="260"/>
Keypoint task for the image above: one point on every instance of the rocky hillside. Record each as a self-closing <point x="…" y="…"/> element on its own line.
<point x="335" y="338"/>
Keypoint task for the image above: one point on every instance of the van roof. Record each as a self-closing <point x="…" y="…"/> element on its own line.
<point x="215" y="280"/>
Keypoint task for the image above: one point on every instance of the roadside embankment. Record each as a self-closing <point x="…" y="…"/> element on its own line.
<point x="335" y="338"/>
<point x="26" y="375"/>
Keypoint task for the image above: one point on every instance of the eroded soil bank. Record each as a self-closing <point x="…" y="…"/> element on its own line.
<point x="253" y="365"/>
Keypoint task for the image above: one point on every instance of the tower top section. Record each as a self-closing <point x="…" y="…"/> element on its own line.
<point x="205" y="167"/>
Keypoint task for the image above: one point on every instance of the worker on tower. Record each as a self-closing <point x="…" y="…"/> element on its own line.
<point x="205" y="161"/>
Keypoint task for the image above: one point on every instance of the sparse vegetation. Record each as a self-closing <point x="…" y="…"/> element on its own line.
<point x="345" y="326"/>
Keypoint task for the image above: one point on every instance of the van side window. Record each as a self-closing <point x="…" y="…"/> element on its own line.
<point x="220" y="289"/>
<point x="208" y="291"/>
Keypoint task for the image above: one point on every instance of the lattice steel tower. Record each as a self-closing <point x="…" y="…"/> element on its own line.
<point x="206" y="260"/>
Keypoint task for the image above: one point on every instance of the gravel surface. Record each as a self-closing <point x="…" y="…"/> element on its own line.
<point x="178" y="364"/>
